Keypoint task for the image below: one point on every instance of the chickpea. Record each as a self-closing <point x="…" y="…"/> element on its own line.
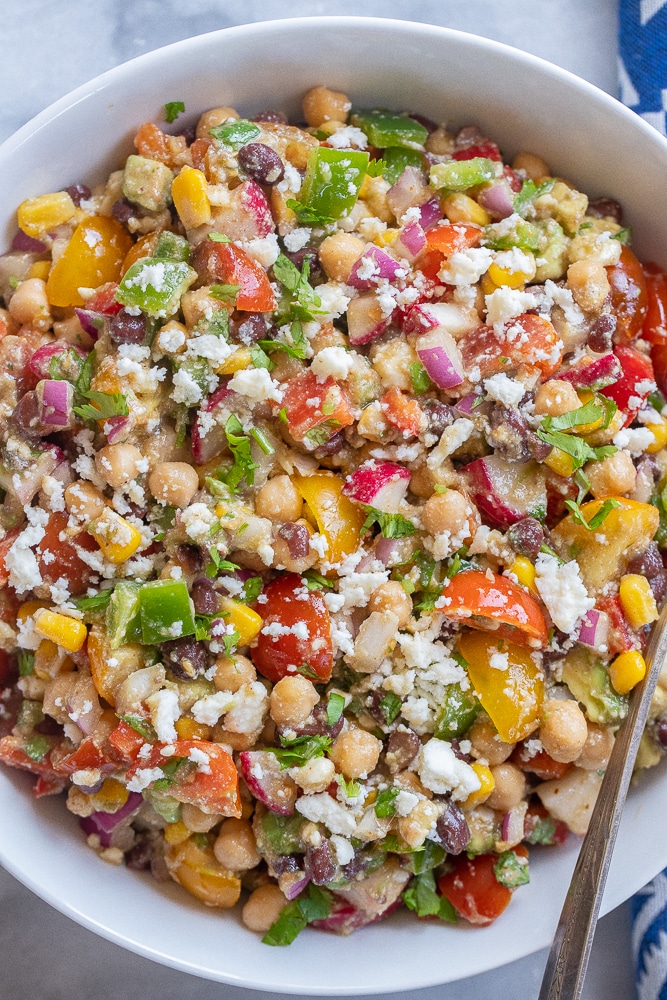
<point x="509" y="788"/>
<point x="316" y="775"/>
<point x="173" y="483"/>
<point x="440" y="142"/>
<point x="446" y="512"/>
<point x="232" y="672"/>
<point x="338" y="254"/>
<point x="263" y="908"/>
<point x="286" y="367"/>
<point x="328" y="336"/>
<point x="356" y="752"/>
<point x="118" y="464"/>
<point x="236" y="848"/>
<point x="556" y="397"/>
<point x="198" y="304"/>
<point x="414" y="827"/>
<point x="597" y="748"/>
<point x="391" y="596"/>
<point x="279" y="500"/>
<point x="292" y="700"/>
<point x="372" y="423"/>
<point x="321" y="105"/>
<point x="534" y="166"/>
<point x="588" y="282"/>
<point x="29" y="304"/>
<point x="235" y="741"/>
<point x="213" y="117"/>
<point x="563" y="731"/>
<point x="394" y="362"/>
<point x="84" y="500"/>
<point x="197" y="820"/>
<point x="486" y="743"/>
<point x="613" y="475"/>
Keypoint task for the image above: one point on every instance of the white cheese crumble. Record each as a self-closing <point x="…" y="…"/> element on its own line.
<point x="561" y="588"/>
<point x="321" y="808"/>
<point x="264" y="250"/>
<point x="634" y="439"/>
<point x="198" y="520"/>
<point x="441" y="771"/>
<point x="297" y="239"/>
<point x="256" y="384"/>
<point x="185" y="388"/>
<point x="451" y="440"/>
<point x="21" y="561"/>
<point x="165" y="710"/>
<point x="333" y="361"/>
<point x="466" y="267"/>
<point x="505" y="303"/>
<point x="504" y="389"/>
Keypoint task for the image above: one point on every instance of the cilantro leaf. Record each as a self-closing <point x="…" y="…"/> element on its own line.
<point x="578" y="449"/>
<point x="26" y="663"/>
<point x="94" y="603"/>
<point x="529" y="192"/>
<point x="390" y="706"/>
<point x="297" y="915"/>
<point x="597" y="519"/>
<point x="172" y="110"/>
<point x="296" y="752"/>
<point x="322" y="433"/>
<point x="350" y="788"/>
<point x="141" y="726"/>
<point x="218" y="564"/>
<point x="308" y="216"/>
<point x="225" y="293"/>
<point x="421" y="382"/>
<point x="422" y="898"/>
<point x="104" y="405"/>
<point x="230" y="641"/>
<point x="376" y="168"/>
<point x="297" y="349"/>
<point x="384" y="803"/>
<point x="305" y="302"/>
<point x="391" y="525"/>
<point x="623" y="235"/>
<point x="589" y="413"/>
<point x="260" y="359"/>
<point x="335" y="706"/>
<point x="239" y="445"/>
<point x="315" y="581"/>
<point x="252" y="588"/>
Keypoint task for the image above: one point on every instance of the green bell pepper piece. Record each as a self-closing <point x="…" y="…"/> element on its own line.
<point x="282" y="833"/>
<point x="155" y="285"/>
<point x="123" y="618"/>
<point x="458" y="712"/>
<point x="522" y="234"/>
<point x="166" y="611"/>
<point x="396" y="159"/>
<point x="170" y="246"/>
<point x="459" y="175"/>
<point x="333" y="180"/>
<point x="385" y="129"/>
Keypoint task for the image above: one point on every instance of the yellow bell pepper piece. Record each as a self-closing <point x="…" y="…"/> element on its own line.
<point x="460" y="207"/>
<point x="637" y="600"/>
<point x="111" y="797"/>
<point x="117" y="538"/>
<point x="659" y="432"/>
<point x="507" y="682"/>
<point x="524" y="571"/>
<point x="627" y="670"/>
<point x="67" y="632"/>
<point x="236" y="362"/>
<point x="40" y="269"/>
<point x="338" y="519"/>
<point x="189" y="191"/>
<point x="510" y="279"/>
<point x="92" y="257"/>
<point x="246" y="621"/>
<point x="199" y="871"/>
<point x="37" y="216"/>
<point x="188" y="729"/>
<point x="176" y="833"/>
<point x="486" y="784"/>
<point x="28" y="609"/>
<point x="560" y="462"/>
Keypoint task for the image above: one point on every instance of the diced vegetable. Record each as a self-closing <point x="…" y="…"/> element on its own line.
<point x="166" y="611"/>
<point x="296" y="636"/>
<point x="93" y="256"/>
<point x="333" y="181"/>
<point x="386" y="129"/>
<point x="493" y="603"/>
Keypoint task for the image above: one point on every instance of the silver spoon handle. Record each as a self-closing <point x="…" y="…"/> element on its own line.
<point x="568" y="959"/>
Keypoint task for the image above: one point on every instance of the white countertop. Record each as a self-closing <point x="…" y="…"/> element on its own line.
<point x="48" y="49"/>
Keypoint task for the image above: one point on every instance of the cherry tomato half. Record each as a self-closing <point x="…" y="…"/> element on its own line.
<point x="629" y="299"/>
<point x="497" y="605"/>
<point x="300" y="640"/>
<point x="473" y="889"/>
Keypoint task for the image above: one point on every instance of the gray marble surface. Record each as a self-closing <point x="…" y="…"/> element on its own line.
<point x="52" y="46"/>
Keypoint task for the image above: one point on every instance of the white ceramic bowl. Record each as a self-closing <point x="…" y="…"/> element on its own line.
<point x="522" y="102"/>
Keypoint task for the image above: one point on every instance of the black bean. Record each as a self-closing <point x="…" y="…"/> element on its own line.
<point x="318" y="724"/>
<point x="320" y="865"/>
<point x="526" y="536"/>
<point x="26" y="416"/>
<point x="189" y="558"/>
<point x="78" y="193"/>
<point x="189" y="133"/>
<point x="275" y="117"/>
<point x="298" y="257"/>
<point x="402" y="748"/>
<point x="658" y="585"/>
<point x="453" y="830"/>
<point x="439" y="415"/>
<point x="186" y="657"/>
<point x="601" y="336"/>
<point x="204" y="596"/>
<point x="428" y="123"/>
<point x="660" y="732"/>
<point x="126" y="328"/>
<point x="138" y="858"/>
<point x="508" y="433"/>
<point x="261" y="163"/>
<point x="647" y="563"/>
<point x="297" y="538"/>
<point x="283" y="864"/>
<point x="123" y="210"/>
<point x="247" y="328"/>
<point x="333" y="446"/>
<point x="605" y="208"/>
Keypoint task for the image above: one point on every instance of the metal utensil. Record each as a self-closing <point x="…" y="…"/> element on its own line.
<point x="571" y="948"/>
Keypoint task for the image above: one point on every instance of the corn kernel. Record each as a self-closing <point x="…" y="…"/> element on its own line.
<point x="659" y="432"/>
<point x="386" y="238"/>
<point x="176" y="833"/>
<point x="188" y="729"/>
<point x="246" y="621"/>
<point x="40" y="269"/>
<point x="637" y="600"/>
<point x="560" y="462"/>
<point x="37" y="216"/>
<point x="627" y="670"/>
<point x="117" y="538"/>
<point x="524" y="571"/>
<point x="67" y="632"/>
<point x="487" y="784"/>
<point x="236" y="362"/>
<point x="459" y="207"/>
<point x="510" y="279"/>
<point x="190" y="193"/>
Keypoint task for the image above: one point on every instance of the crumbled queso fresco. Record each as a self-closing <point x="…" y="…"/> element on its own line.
<point x="333" y="464"/>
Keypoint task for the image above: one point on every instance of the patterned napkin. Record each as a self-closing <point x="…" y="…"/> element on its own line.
<point x="642" y="78"/>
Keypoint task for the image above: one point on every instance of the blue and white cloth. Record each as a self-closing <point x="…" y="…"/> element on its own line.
<point x="649" y="939"/>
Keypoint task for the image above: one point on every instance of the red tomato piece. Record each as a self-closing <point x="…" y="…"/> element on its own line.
<point x="5" y="546"/>
<point x="622" y="637"/>
<point x="233" y="266"/>
<point x="125" y="743"/>
<point x="450" y="237"/>
<point x="655" y="324"/>
<point x="485" y="147"/>
<point x="536" y="814"/>
<point x="540" y="763"/>
<point x="210" y="782"/>
<point x="629" y="299"/>
<point x="310" y="402"/>
<point x="13" y="754"/>
<point x="63" y="559"/>
<point x="659" y="361"/>
<point x="635" y="384"/>
<point x="498" y="605"/>
<point x="301" y="642"/>
<point x="527" y="340"/>
<point x="103" y="300"/>
<point x="403" y="412"/>
<point x="88" y="754"/>
<point x="473" y="889"/>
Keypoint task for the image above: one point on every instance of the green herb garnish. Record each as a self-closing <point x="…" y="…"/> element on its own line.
<point x="391" y="525"/>
<point x="335" y="706"/>
<point x="172" y="110"/>
<point x="294" y="917"/>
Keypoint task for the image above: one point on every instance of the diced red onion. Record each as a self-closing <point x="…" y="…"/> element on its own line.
<point x="408" y="191"/>
<point x="430" y="213"/>
<point x="594" y="629"/>
<point x="55" y="397"/>
<point x="292" y="885"/>
<point x="297" y="538"/>
<point x="40" y="362"/>
<point x="92" y="323"/>
<point x="104" y="823"/>
<point x="27" y="244"/>
<point x="410" y="241"/>
<point x="497" y="199"/>
<point x="384" y="550"/>
<point x="116" y="429"/>
<point x="469" y="403"/>
<point x="512" y="828"/>
<point x="384" y="266"/>
<point x="365" y="319"/>
<point x="441" y="358"/>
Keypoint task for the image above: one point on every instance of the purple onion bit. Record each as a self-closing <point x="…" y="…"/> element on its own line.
<point x="78" y="193"/>
<point x="27" y="244"/>
<point x="55" y="398"/>
<point x="104" y="823"/>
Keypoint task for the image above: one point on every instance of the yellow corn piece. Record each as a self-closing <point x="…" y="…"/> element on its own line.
<point x="67" y="632"/>
<point x="37" y="216"/>
<point x="117" y="538"/>
<point x="487" y="784"/>
<point x="176" y="833"/>
<point x="40" y="269"/>
<point x="236" y="362"/>
<point x="637" y="600"/>
<point x="524" y="571"/>
<point x="190" y="193"/>
<point x="188" y="729"/>
<point x="659" y="432"/>
<point x="627" y="670"/>
<point x="111" y="797"/>
<point x="386" y="238"/>
<point x="246" y="621"/>
<point x="459" y="207"/>
<point x="511" y="279"/>
<point x="559" y="462"/>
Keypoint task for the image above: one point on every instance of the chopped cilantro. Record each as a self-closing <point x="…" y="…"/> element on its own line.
<point x="578" y="449"/>
<point x="307" y="216"/>
<point x="384" y="803"/>
<point x="26" y="663"/>
<point x="95" y="603"/>
<point x="282" y="415"/>
<point x="260" y="359"/>
<point x="218" y="564"/>
<point x="260" y="438"/>
<point x="529" y="192"/>
<point x="335" y="706"/>
<point x="219" y="238"/>
<point x="421" y="897"/>
<point x="141" y="726"/>
<point x="351" y="788"/>
<point x="296" y="752"/>
<point x="304" y="301"/>
<point x="425" y="858"/>
<point x="239" y="445"/>
<point x="542" y="831"/>
<point x="511" y="870"/>
<point x="172" y="110"/>
<point x="315" y="581"/>
<point x="13" y="281"/>
<point x="225" y="293"/>
<point x="321" y="434"/>
<point x="104" y="405"/>
<point x="390" y="706"/>
<point x="36" y="747"/>
<point x="230" y="641"/>
<point x="297" y="915"/>
<point x="391" y="525"/>
<point x="252" y="588"/>
<point x="459" y="565"/>
<point x="623" y="235"/>
<point x="235" y="134"/>
<point x="597" y="519"/>
<point x="307" y="671"/>
<point x="170" y="770"/>
<point x="376" y="168"/>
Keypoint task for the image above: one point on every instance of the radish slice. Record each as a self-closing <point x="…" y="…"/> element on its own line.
<point x="382" y="485"/>
<point x="27" y="244"/>
<point x="506" y="492"/>
<point x="410" y="241"/>
<point x="40" y="362"/>
<point x="441" y="358"/>
<point x="456" y="319"/>
<point x="55" y="398"/>
<point x="267" y="782"/>
<point x="365" y="319"/>
<point x="208" y="435"/>
<point x="373" y="266"/>
<point x="594" y="630"/>
<point x="512" y="828"/>
<point x="601" y="372"/>
<point x="497" y="199"/>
